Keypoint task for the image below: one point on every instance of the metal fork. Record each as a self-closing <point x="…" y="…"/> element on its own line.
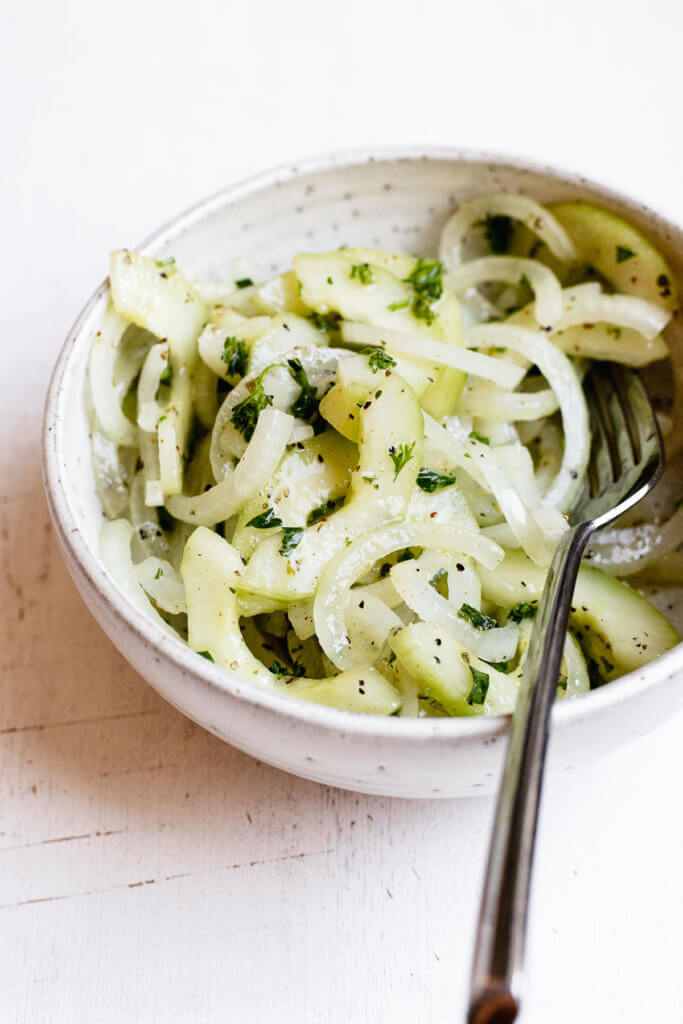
<point x="626" y="462"/>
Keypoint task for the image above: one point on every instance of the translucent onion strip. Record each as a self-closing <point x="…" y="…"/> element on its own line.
<point x="369" y="623"/>
<point x="349" y="564"/>
<point x="260" y="460"/>
<point x="495" y="370"/>
<point x="481" y="463"/>
<point x="106" y="397"/>
<point x="546" y="287"/>
<point x="508" y="406"/>
<point x="561" y="376"/>
<point x="413" y="584"/>
<point x="159" y="579"/>
<point x="502" y="204"/>
<point x="621" y="310"/>
<point x="114" y="546"/>
<point x="153" y="368"/>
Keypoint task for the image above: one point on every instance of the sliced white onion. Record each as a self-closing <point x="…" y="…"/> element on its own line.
<point x="153" y="369"/>
<point x="159" y="579"/>
<point x="417" y="345"/>
<point x="624" y="551"/>
<point x="261" y="458"/>
<point x="412" y="582"/>
<point x="107" y="397"/>
<point x="369" y="622"/>
<point x="560" y="374"/>
<point x="546" y="287"/>
<point x="508" y="406"/>
<point x="621" y="310"/>
<point x="114" y="547"/>
<point x="482" y="464"/>
<point x="502" y="204"/>
<point x="352" y="562"/>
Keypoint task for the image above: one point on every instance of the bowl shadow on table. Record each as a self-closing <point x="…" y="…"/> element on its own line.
<point x="78" y="720"/>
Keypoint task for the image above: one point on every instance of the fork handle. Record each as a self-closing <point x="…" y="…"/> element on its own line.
<point x="497" y="971"/>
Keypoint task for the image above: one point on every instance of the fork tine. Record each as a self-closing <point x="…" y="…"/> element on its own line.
<point x="600" y="467"/>
<point x="643" y="420"/>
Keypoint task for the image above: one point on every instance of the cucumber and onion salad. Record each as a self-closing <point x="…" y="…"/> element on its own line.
<point x="346" y="483"/>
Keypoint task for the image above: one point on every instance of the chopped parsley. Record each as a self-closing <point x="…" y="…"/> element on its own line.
<point x="325" y="321"/>
<point x="246" y="413"/>
<point x="278" y="669"/>
<point x="426" y="279"/>
<point x="474" y="435"/>
<point x="524" y="610"/>
<point x="168" y="262"/>
<point x="406" y="555"/>
<point x="205" y="654"/>
<point x="614" y="331"/>
<point x="363" y="272"/>
<point x="306" y="404"/>
<point x="321" y="512"/>
<point x="477" y="618"/>
<point x="393" y="306"/>
<point x="235" y="355"/>
<point x="158" y="574"/>
<point x="401" y="457"/>
<point x="497" y="231"/>
<point x="429" y="480"/>
<point x="265" y="520"/>
<point x="624" y="253"/>
<point x="291" y="538"/>
<point x="378" y="359"/>
<point x="562" y="684"/>
<point x="480" y="687"/>
<point x="440" y="582"/>
<point x="244" y="282"/>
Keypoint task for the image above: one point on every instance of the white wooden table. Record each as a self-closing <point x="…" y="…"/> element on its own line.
<point x="148" y="872"/>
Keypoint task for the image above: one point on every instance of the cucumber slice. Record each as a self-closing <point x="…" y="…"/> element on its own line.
<point x="160" y="299"/>
<point x="391" y="424"/>
<point x="618" y="251"/>
<point x="311" y="474"/>
<point x="443" y="670"/>
<point x="210" y="569"/>
<point x="340" y="406"/>
<point x="633" y="632"/>
<point x="281" y="295"/>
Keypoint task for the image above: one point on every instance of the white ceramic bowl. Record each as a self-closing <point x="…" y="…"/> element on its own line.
<point x="393" y="199"/>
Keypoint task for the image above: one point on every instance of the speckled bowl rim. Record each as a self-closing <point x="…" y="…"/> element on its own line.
<point x="203" y="673"/>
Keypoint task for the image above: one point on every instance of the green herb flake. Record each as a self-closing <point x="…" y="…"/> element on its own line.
<point x="624" y="253"/>
<point x="166" y="376"/>
<point x="158" y="574"/>
<point x="235" y="355"/>
<point x="244" y="282"/>
<point x="246" y="413"/>
<point x="393" y="306"/>
<point x="325" y="321"/>
<point x="363" y="273"/>
<point x="168" y="262"/>
<point x="321" y="512"/>
<point x="501" y="666"/>
<point x="430" y="480"/>
<point x="401" y="457"/>
<point x="497" y="231"/>
<point x="480" y="687"/>
<point x="474" y="435"/>
<point x="291" y="538"/>
<point x="205" y="654"/>
<point x="378" y="359"/>
<point x="422" y="310"/>
<point x="426" y="278"/>
<point x="614" y="331"/>
<point x="440" y="582"/>
<point x="524" y="610"/>
<point x="607" y="665"/>
<point x="278" y="669"/>
<point x="562" y="684"/>
<point x="305" y="406"/>
<point x="265" y="520"/>
<point x="477" y="618"/>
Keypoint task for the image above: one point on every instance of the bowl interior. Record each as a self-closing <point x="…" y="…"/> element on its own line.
<point x="392" y="201"/>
